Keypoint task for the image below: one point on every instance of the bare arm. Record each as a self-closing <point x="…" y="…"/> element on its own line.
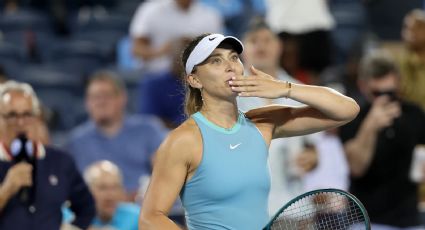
<point x="142" y="48"/>
<point x="360" y="150"/>
<point x="325" y="108"/>
<point x="171" y="167"/>
<point x="17" y="177"/>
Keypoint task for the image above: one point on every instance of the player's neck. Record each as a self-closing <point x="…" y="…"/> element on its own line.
<point x="224" y="114"/>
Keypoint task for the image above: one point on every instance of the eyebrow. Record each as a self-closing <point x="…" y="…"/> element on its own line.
<point x="214" y="55"/>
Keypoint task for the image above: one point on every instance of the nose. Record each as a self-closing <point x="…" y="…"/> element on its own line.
<point x="20" y="121"/>
<point x="230" y="66"/>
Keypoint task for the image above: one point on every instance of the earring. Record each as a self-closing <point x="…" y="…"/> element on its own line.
<point x="202" y="98"/>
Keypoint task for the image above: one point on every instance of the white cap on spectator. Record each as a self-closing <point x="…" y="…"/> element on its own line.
<point x="206" y="46"/>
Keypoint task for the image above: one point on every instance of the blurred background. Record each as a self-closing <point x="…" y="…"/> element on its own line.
<point x="56" y="45"/>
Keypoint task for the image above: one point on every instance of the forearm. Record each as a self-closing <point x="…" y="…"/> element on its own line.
<point x="156" y="222"/>
<point x="360" y="150"/>
<point x="331" y="103"/>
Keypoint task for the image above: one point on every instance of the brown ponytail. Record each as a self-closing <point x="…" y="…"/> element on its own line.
<point x="193" y="98"/>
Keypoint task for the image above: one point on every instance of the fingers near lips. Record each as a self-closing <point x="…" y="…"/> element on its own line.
<point x="242" y="81"/>
<point x="243" y="85"/>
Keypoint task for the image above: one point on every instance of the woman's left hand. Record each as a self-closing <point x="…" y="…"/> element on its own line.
<point x="259" y="84"/>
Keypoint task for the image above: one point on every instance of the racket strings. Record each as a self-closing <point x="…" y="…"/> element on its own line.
<point x="324" y="211"/>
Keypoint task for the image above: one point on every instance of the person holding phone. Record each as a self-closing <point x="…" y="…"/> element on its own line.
<point x="379" y="145"/>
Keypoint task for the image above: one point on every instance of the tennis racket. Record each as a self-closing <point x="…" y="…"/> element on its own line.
<point x="322" y="209"/>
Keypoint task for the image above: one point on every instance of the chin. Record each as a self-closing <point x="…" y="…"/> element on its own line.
<point x="102" y="121"/>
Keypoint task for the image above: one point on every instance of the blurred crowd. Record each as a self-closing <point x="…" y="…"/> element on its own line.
<point x="90" y="88"/>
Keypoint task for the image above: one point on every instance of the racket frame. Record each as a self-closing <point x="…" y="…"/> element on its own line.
<point x="319" y="191"/>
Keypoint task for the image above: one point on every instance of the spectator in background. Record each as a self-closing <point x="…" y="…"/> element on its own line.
<point x="162" y="94"/>
<point x="304" y="26"/>
<point x="105" y="182"/>
<point x="158" y="25"/>
<point x="290" y="159"/>
<point x="110" y="134"/>
<point x="237" y="13"/>
<point x="379" y="144"/>
<point x="53" y="178"/>
<point x="263" y="49"/>
<point x="412" y="59"/>
<point x="40" y="127"/>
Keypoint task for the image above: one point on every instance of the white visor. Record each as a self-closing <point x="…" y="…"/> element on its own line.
<point x="206" y="46"/>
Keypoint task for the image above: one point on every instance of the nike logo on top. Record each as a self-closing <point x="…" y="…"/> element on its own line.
<point x="212" y="39"/>
<point x="234" y="146"/>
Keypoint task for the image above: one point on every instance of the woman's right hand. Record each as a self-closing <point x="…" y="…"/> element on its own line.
<point x="259" y="84"/>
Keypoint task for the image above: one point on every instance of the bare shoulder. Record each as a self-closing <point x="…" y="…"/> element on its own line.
<point x="186" y="133"/>
<point x="182" y="143"/>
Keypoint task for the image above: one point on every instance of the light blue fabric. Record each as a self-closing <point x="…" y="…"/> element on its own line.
<point x="125" y="58"/>
<point x="230" y="187"/>
<point x="125" y="218"/>
<point x="131" y="149"/>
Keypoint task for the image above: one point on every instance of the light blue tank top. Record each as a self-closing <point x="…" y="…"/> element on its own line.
<point x="230" y="187"/>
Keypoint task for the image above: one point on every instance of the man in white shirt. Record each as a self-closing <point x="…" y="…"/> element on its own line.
<point x="159" y="25"/>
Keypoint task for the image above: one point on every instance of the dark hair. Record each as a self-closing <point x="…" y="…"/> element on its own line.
<point x="193" y="98"/>
<point x="377" y="65"/>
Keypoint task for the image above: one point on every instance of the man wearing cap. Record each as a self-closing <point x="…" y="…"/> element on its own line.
<point x="217" y="159"/>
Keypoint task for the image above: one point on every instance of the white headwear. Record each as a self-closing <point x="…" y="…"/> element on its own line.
<point x="206" y="46"/>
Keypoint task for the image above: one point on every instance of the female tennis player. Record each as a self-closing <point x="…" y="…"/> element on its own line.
<point x="217" y="159"/>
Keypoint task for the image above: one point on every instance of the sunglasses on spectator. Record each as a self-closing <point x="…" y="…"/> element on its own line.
<point x="390" y="93"/>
